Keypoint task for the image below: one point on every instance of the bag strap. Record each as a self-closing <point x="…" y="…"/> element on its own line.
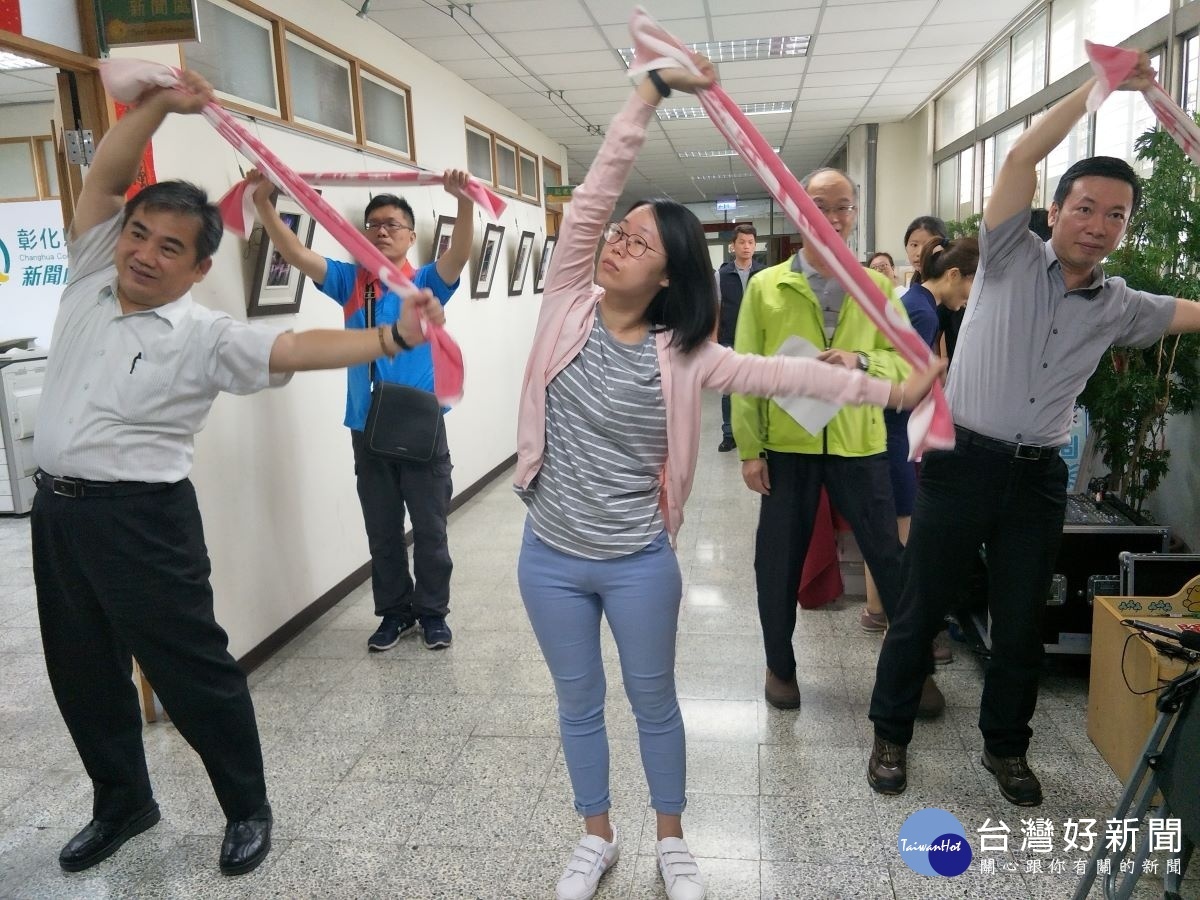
<point x="368" y="294"/>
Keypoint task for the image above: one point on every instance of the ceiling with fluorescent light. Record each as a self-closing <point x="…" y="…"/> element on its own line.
<point x="25" y="80"/>
<point x="558" y="65"/>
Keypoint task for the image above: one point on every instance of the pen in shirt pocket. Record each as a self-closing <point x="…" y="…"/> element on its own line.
<point x="133" y="364"/>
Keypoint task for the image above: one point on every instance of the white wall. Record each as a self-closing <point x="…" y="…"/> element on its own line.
<point x="26" y="119"/>
<point x="274" y="471"/>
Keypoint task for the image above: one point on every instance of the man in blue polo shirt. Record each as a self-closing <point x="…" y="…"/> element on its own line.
<point x="404" y="599"/>
<point x="1040" y="317"/>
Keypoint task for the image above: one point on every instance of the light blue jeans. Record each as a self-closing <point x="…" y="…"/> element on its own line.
<point x="639" y="594"/>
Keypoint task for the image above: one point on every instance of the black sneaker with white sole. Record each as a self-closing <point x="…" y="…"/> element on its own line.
<point x="436" y="632"/>
<point x="389" y="632"/>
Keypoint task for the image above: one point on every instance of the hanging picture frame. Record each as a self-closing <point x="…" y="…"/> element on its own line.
<point x="276" y="285"/>
<point x="539" y="281"/>
<point x="489" y="257"/>
<point x="441" y="236"/>
<point x="520" y="269"/>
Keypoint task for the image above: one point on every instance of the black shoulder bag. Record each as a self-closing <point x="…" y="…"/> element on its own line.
<point x="403" y="423"/>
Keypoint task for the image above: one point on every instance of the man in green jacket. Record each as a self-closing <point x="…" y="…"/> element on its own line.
<point x="788" y="465"/>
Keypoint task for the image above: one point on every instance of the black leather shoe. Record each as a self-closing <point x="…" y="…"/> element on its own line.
<point x="727" y="444"/>
<point x="247" y="842"/>
<point x="1017" y="782"/>
<point x="887" y="768"/>
<point x="100" y="840"/>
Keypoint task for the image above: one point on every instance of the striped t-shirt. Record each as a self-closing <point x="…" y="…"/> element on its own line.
<point x="596" y="495"/>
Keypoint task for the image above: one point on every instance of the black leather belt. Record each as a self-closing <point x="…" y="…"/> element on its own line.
<point x="968" y="438"/>
<point x="76" y="488"/>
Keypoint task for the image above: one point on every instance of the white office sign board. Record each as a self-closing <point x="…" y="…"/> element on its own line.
<point x="33" y="268"/>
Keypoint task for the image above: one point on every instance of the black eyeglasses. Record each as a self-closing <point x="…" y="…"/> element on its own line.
<point x="390" y="225"/>
<point x="836" y="210"/>
<point x="635" y="245"/>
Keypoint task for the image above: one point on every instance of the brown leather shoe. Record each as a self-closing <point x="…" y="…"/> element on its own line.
<point x="942" y="651"/>
<point x="887" y="768"/>
<point x="782" y="694"/>
<point x="933" y="703"/>
<point x="1017" y="782"/>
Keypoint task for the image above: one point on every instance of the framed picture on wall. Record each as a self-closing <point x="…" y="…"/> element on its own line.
<point x="489" y="256"/>
<point x="441" y="236"/>
<point x="521" y="265"/>
<point x="276" y="285"/>
<point x="539" y="281"/>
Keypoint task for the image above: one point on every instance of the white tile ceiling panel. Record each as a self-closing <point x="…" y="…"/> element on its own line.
<point x="486" y="67"/>
<point x="951" y="57"/>
<point x="499" y="16"/>
<point x="825" y="93"/>
<point x="863" y="40"/>
<point x="689" y="30"/>
<point x="916" y="90"/>
<point x="565" y="63"/>
<point x="992" y="17"/>
<point x="952" y="35"/>
<point x="898" y="13"/>
<point x="606" y="12"/>
<point x="418" y="22"/>
<point x="446" y="50"/>
<point x="763" y="24"/>
<point x="854" y="77"/>
<point x="787" y="67"/>
<point x="746" y="90"/>
<point x="849" y="62"/>
<point x="561" y="40"/>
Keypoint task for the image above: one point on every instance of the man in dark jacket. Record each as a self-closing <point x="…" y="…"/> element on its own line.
<point x="731" y="283"/>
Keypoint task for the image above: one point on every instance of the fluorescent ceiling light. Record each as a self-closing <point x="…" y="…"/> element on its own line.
<point x="711" y="154"/>
<point x="12" y="61"/>
<point x="719" y="177"/>
<point x="750" y="109"/>
<point x="744" y="49"/>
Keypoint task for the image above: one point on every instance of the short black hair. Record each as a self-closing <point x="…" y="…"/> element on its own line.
<point x="932" y="224"/>
<point x="745" y="228"/>
<point x="1039" y="223"/>
<point x="187" y="199"/>
<point x="883" y="253"/>
<point x="687" y="305"/>
<point x="382" y="200"/>
<point x="1105" y="167"/>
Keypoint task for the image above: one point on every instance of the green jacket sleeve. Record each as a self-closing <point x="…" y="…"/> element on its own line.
<point x="748" y="415"/>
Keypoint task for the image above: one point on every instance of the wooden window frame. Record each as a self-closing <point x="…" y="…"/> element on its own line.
<point x="495" y="137"/>
<point x="281" y="29"/>
<point x="357" y="132"/>
<point x="472" y="125"/>
<point x="241" y="104"/>
<point x="535" y="197"/>
<point x="364" y="70"/>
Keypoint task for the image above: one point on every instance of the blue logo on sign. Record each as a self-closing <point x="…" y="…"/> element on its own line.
<point x="5" y="263"/>
<point x="933" y="842"/>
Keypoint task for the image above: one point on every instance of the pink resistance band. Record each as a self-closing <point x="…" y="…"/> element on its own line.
<point x="1112" y="66"/>
<point x="127" y="79"/>
<point x="930" y="426"/>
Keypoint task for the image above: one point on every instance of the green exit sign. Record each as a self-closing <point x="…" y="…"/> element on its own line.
<point x="560" y="193"/>
<point x="147" y="21"/>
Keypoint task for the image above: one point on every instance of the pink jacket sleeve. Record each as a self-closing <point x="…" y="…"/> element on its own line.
<point x="774" y="376"/>
<point x="572" y="268"/>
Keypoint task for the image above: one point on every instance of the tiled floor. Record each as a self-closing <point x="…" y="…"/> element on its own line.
<point x="415" y="774"/>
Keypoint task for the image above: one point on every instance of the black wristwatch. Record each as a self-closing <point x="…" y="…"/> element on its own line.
<point x="400" y="342"/>
<point x="864" y="361"/>
<point x="662" y="87"/>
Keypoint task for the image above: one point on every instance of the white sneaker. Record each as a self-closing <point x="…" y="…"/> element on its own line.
<point x="679" y="870"/>
<point x="593" y="857"/>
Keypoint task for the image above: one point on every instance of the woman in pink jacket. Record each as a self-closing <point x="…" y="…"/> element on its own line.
<point x="608" y="433"/>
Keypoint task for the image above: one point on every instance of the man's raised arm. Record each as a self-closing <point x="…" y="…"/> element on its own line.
<point x="1017" y="178"/>
<point x="116" y="162"/>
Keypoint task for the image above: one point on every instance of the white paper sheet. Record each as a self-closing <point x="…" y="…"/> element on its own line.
<point x="810" y="414"/>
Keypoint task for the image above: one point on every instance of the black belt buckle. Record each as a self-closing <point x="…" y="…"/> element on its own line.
<point x="1028" y="451"/>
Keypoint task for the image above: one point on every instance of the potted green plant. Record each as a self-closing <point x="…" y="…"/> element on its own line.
<point x="1132" y="392"/>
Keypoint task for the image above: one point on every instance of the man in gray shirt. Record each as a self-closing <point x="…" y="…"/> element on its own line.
<point x="1040" y="317"/>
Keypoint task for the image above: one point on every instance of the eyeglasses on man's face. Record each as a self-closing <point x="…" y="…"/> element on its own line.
<point x="388" y="225"/>
<point x="840" y="211"/>
<point x="635" y="245"/>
